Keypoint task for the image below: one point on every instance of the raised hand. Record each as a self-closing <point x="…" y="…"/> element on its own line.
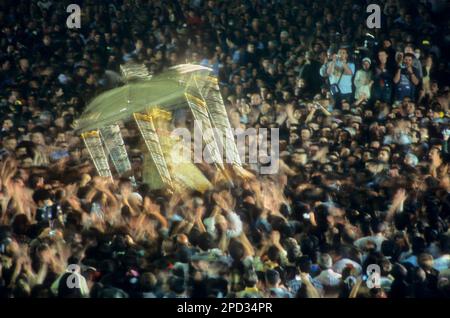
<point x="220" y="201"/>
<point x="400" y="196"/>
<point x="151" y="207"/>
<point x="275" y="237"/>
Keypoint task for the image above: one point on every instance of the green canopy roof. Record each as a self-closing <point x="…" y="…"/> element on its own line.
<point x="165" y="90"/>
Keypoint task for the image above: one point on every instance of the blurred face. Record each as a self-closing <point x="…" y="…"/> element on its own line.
<point x="10" y="144"/>
<point x="7" y="124"/>
<point x="46" y="40"/>
<point x="409" y="49"/>
<point x="434" y="154"/>
<point x="409" y="161"/>
<point x="61" y="138"/>
<point x="81" y="71"/>
<point x="313" y="150"/>
<point x="299" y="158"/>
<point x="408" y="61"/>
<point x="27" y="162"/>
<point x="300" y="83"/>
<point x="434" y="87"/>
<point x="24" y="64"/>
<point x="417" y="53"/>
<point x="345" y="105"/>
<point x="366" y="156"/>
<point x="382" y="56"/>
<point x="293" y="138"/>
<point x="59" y="122"/>
<point x="139" y="44"/>
<point x="255" y="99"/>
<point x="21" y="151"/>
<point x="265" y="108"/>
<point x="343" y="54"/>
<point x="383" y="156"/>
<point x="366" y="65"/>
<point x="305" y="134"/>
<point x="38" y="139"/>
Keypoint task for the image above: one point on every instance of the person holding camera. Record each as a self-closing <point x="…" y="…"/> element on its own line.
<point x="339" y="72"/>
<point x="406" y="78"/>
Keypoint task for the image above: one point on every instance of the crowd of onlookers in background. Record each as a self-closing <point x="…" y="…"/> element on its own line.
<point x="363" y="116"/>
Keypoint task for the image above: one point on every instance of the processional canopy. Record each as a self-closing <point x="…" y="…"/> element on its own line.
<point x="150" y="101"/>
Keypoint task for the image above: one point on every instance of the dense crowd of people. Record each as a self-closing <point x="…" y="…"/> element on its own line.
<point x="363" y="116"/>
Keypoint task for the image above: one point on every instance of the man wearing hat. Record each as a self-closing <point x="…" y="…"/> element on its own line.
<point x="363" y="80"/>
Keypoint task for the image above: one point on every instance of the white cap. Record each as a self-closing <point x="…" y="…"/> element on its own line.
<point x="366" y="59"/>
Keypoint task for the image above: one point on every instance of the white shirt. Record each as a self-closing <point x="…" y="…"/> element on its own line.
<point x="340" y="265"/>
<point x="377" y="239"/>
<point x="362" y="80"/>
<point x="329" y="278"/>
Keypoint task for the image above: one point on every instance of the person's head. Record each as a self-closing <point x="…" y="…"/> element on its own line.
<point x="411" y="160"/>
<point x="425" y="261"/>
<point x="42" y="197"/>
<point x="255" y="100"/>
<point x="64" y="291"/>
<point x="10" y="143"/>
<point x="383" y="56"/>
<point x="325" y="261"/>
<point x="387" y="43"/>
<point x="309" y="55"/>
<point x="377" y="226"/>
<point x="24" y="64"/>
<point x="366" y="63"/>
<point x="299" y="158"/>
<point x="435" y="154"/>
<point x="304" y="264"/>
<point x="75" y="153"/>
<point x="408" y="59"/>
<point x="250" y="278"/>
<point x="384" y="155"/>
<point x="266" y="64"/>
<point x="236" y="250"/>
<point x="273" y="254"/>
<point x="418" y="245"/>
<point x="343" y="54"/>
<point x="177" y="285"/>
<point x="409" y="48"/>
<point x="148" y="282"/>
<point x="38" y="139"/>
<point x="7" y="124"/>
<point x="272" y="278"/>
<point x="206" y="242"/>
<point x="305" y="134"/>
<point x="20" y="224"/>
<point x="125" y="185"/>
<point x="251" y="48"/>
<point x="46" y="40"/>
